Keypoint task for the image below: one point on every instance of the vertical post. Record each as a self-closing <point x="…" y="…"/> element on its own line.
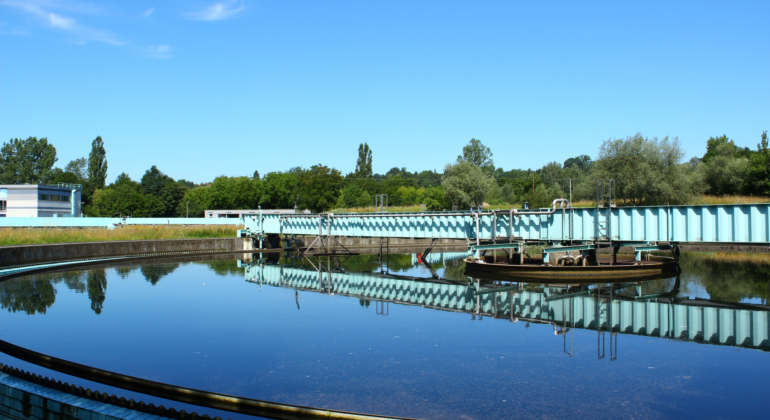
<point x="494" y="228"/>
<point x="188" y="210"/>
<point x="261" y="230"/>
<point x="571" y="215"/>
<point x="478" y="229"/>
<point x="73" y="200"/>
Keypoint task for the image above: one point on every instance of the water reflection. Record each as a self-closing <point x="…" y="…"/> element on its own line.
<point x="97" y="289"/>
<point x="392" y="335"/>
<point x="655" y="308"/>
<point x="719" y="299"/>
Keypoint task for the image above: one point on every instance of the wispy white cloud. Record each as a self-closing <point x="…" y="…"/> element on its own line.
<point x="41" y="10"/>
<point x="162" y="52"/>
<point x="218" y="11"/>
<point x="61" y="21"/>
<point x="148" y="12"/>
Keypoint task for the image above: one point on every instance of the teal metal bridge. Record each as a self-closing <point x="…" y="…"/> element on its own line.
<point x="662" y="316"/>
<point x="743" y="223"/>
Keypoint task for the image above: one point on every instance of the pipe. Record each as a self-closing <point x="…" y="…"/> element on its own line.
<point x="517" y="212"/>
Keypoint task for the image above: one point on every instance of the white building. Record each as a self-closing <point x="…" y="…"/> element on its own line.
<point x="30" y="200"/>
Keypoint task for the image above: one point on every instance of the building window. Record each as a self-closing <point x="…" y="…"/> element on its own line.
<point x="49" y="197"/>
<point x="3" y="205"/>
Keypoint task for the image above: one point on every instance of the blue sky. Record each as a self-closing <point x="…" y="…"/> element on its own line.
<point x="202" y="88"/>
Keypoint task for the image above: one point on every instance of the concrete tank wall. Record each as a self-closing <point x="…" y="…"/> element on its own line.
<point x="24" y="254"/>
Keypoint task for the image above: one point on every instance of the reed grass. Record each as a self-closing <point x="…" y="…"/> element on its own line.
<point x="731" y="199"/>
<point x="732" y="257"/>
<point x="26" y="236"/>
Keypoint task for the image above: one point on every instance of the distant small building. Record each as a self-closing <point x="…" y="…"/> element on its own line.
<point x="30" y="200"/>
<point x="216" y="214"/>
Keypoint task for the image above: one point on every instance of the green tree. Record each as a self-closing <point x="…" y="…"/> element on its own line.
<point x="551" y="173"/>
<point x="364" y="162"/>
<point x="542" y="196"/>
<point x="465" y="183"/>
<point x="435" y="199"/>
<point x="198" y="202"/>
<point x="256" y="175"/>
<point x="27" y="161"/>
<point x="97" y="172"/>
<point x="125" y="197"/>
<point x="234" y="193"/>
<point x="646" y="171"/>
<point x="725" y="170"/>
<point x="319" y="187"/>
<point x="78" y="167"/>
<point x="715" y="144"/>
<point x="758" y="174"/>
<point x="476" y="153"/>
<point x="185" y="183"/>
<point x="583" y="162"/>
<point x="279" y="190"/>
<point x="66" y="178"/>
<point x="164" y="188"/>
<point x="711" y="146"/>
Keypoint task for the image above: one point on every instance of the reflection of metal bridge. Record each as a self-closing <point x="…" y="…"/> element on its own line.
<point x="654" y="316"/>
<point x="439" y="257"/>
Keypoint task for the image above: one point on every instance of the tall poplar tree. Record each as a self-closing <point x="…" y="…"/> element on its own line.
<point x="364" y="162"/>
<point x="97" y="169"/>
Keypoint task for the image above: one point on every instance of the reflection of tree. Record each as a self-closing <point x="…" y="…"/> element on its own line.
<point x="124" y="271"/>
<point x="97" y="289"/>
<point x="153" y="273"/>
<point x="364" y="263"/>
<point x="728" y="277"/>
<point x="224" y="267"/>
<point x="32" y="296"/>
<point x="74" y="280"/>
<point x="455" y="272"/>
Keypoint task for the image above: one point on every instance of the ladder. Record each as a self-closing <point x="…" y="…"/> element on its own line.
<point x="604" y="214"/>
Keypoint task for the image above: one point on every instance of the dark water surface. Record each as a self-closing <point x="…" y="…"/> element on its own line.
<point x="392" y="339"/>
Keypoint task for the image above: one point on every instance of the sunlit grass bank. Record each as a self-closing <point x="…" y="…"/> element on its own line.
<point x="705" y="199"/>
<point x="24" y="236"/>
<point x="732" y="257"/>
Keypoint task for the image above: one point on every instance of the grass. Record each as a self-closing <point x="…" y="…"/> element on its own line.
<point x="25" y="236"/>
<point x="732" y="257"/>
<point x="732" y="199"/>
<point x="705" y="199"/>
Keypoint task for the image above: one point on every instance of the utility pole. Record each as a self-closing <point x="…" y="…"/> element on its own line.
<point x="188" y="209"/>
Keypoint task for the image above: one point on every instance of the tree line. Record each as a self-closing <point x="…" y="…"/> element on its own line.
<point x="647" y="171"/>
